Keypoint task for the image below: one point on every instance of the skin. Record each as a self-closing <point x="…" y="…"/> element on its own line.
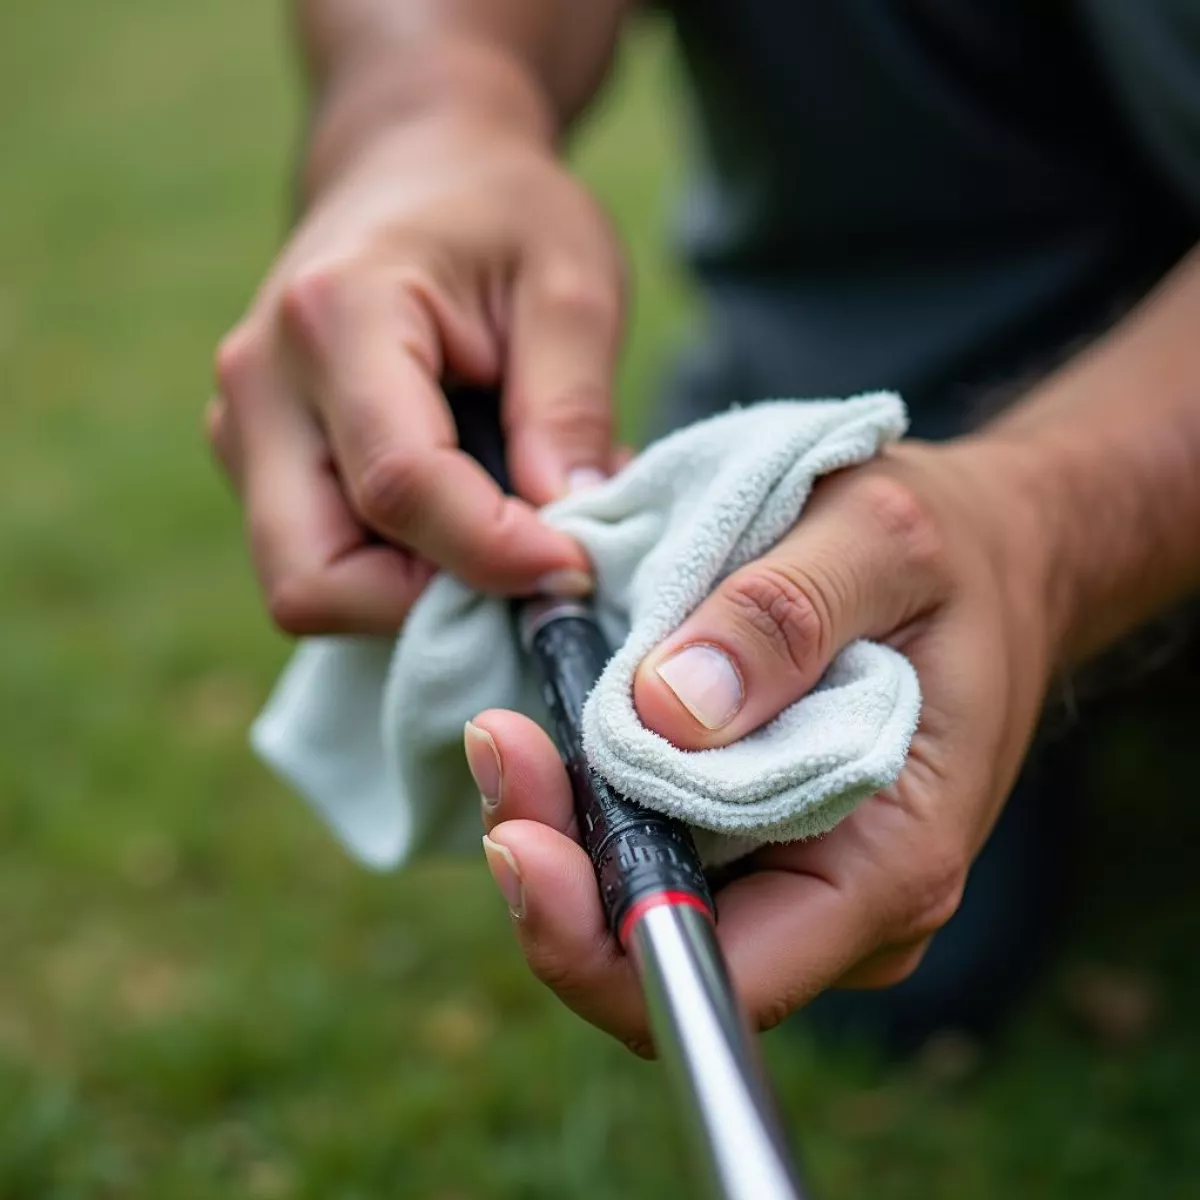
<point x="442" y="235"/>
<point x="991" y="562"/>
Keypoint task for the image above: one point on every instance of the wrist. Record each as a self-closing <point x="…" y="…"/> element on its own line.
<point x="1056" y="487"/>
<point x="1105" y="513"/>
<point x="995" y="493"/>
<point x="376" y="93"/>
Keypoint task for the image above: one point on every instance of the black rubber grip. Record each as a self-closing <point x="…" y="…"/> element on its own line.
<point x="477" y="416"/>
<point x="635" y="851"/>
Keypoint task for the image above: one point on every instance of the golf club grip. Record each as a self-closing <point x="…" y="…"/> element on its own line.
<point x="641" y="857"/>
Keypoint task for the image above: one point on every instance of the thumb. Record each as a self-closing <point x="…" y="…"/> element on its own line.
<point x="558" y="396"/>
<point x="766" y="635"/>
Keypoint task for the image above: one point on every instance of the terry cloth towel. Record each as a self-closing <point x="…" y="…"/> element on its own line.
<point x="370" y="729"/>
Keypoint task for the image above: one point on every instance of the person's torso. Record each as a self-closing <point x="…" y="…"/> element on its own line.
<point x="930" y="195"/>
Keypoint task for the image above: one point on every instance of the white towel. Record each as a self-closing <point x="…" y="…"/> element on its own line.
<point x="370" y="729"/>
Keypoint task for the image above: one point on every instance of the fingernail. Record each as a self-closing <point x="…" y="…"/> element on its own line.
<point x="706" y="681"/>
<point x="483" y="759"/>
<point x="507" y="875"/>
<point x="566" y="583"/>
<point x="579" y="478"/>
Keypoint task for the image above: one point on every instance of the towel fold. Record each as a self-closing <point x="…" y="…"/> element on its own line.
<point x="370" y="729"/>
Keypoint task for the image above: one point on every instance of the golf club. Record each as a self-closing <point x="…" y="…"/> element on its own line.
<point x="655" y="894"/>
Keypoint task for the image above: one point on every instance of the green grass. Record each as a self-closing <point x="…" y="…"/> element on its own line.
<point x="199" y="995"/>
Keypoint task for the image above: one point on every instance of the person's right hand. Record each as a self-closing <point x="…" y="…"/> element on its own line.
<point x="456" y="247"/>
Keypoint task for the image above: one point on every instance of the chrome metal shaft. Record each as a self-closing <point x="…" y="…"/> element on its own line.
<point x="705" y="1043"/>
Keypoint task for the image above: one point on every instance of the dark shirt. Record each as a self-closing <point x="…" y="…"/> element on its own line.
<point x="936" y="196"/>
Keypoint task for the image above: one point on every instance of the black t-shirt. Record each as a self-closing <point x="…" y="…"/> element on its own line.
<point x="929" y="195"/>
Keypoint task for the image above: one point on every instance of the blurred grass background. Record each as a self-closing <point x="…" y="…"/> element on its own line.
<point x="199" y="995"/>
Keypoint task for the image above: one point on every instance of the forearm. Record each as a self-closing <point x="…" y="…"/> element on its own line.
<point x="374" y="64"/>
<point x="1110" y="450"/>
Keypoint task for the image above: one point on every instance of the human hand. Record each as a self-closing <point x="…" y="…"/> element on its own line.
<point x="933" y="550"/>
<point x="455" y="245"/>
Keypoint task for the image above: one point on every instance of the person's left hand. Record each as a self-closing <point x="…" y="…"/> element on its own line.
<point x="935" y="550"/>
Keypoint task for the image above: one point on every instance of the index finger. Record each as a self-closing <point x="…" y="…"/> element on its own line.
<point x="372" y="376"/>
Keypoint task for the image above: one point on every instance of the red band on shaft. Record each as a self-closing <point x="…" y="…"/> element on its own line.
<point x="657" y="900"/>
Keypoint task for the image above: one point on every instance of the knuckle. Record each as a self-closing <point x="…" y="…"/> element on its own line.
<point x="551" y="971"/>
<point x="216" y="419"/>
<point x="551" y="968"/>
<point x="905" y="966"/>
<point x="931" y="896"/>
<point x="774" y="1012"/>
<point x="310" y="298"/>
<point x="432" y="276"/>
<point x="582" y="981"/>
<point x="240" y="361"/>
<point x="297" y="608"/>
<point x="898" y="511"/>
<point x="418" y="295"/>
<point x="391" y="491"/>
<point x="575" y="288"/>
<point x="780" y="611"/>
<point x="896" y="969"/>
<point x="583" y="413"/>
<point x="641" y="1045"/>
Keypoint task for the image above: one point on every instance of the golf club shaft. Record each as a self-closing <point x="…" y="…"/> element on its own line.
<point x="657" y="903"/>
<point x="653" y="889"/>
<point x="703" y="1039"/>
